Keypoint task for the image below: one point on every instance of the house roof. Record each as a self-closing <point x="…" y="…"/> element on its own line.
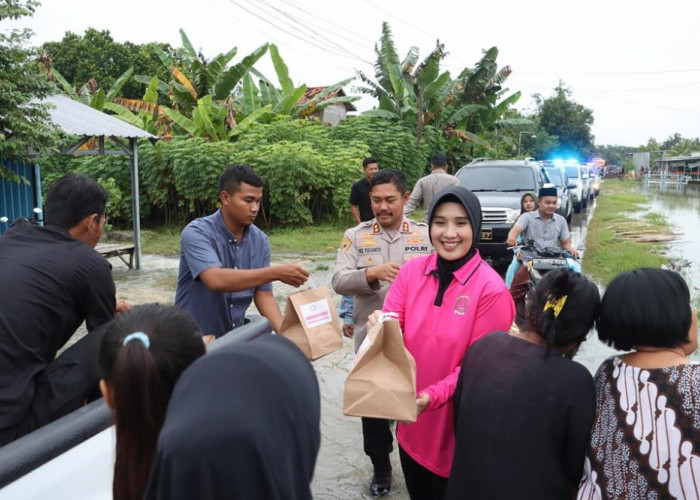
<point x="76" y="118"/>
<point x="311" y="92"/>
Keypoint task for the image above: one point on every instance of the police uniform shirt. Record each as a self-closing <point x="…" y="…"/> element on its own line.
<point x="368" y="244"/>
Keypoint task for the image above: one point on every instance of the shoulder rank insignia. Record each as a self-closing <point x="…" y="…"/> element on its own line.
<point x="405" y="228"/>
<point x="375" y="228"/>
<point x="345" y="243"/>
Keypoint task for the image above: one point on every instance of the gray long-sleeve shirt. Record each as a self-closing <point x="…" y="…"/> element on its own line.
<point x="427" y="187"/>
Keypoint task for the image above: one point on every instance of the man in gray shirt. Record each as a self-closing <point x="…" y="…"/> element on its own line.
<point x="543" y="225"/>
<point x="427" y="187"/>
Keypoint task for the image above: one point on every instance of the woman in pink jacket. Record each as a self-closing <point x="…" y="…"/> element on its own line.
<point x="445" y="302"/>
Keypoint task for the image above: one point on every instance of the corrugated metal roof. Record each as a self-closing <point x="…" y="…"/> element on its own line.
<point x="76" y="118"/>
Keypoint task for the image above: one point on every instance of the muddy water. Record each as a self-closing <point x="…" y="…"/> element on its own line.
<point x="342" y="470"/>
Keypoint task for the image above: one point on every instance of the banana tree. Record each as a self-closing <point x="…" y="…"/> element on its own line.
<point x="285" y="100"/>
<point x="416" y="93"/>
<point x="96" y="97"/>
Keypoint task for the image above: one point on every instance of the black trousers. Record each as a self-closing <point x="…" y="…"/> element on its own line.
<point x="377" y="438"/>
<point x="70" y="381"/>
<point x="420" y="482"/>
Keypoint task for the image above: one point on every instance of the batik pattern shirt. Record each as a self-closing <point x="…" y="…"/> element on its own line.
<point x="645" y="442"/>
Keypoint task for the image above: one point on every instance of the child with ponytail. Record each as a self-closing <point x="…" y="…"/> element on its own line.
<point x="523" y="408"/>
<point x="143" y="353"/>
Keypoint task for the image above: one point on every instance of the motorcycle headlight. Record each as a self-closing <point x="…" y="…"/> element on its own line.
<point x="512" y="215"/>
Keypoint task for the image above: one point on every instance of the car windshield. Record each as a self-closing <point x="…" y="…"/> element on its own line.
<point x="572" y="172"/>
<point x="555" y="176"/>
<point x="498" y="178"/>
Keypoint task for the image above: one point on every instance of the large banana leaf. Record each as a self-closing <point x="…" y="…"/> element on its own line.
<point x="164" y="58"/>
<point x="98" y="100"/>
<point x="316" y="101"/>
<point x="288" y="101"/>
<point x="124" y="114"/>
<point x="188" y="125"/>
<point x="249" y="120"/>
<point x="442" y="83"/>
<point x="336" y="100"/>
<point x="187" y="44"/>
<point x="136" y="105"/>
<point x="202" y="118"/>
<point x="269" y="94"/>
<point x="219" y="63"/>
<point x="469" y="137"/>
<point x="67" y="87"/>
<point x="250" y="95"/>
<point x="146" y="80"/>
<point x="387" y="67"/>
<point x="183" y="80"/>
<point x="429" y="69"/>
<point x="229" y="78"/>
<point x="463" y="112"/>
<point x="151" y="94"/>
<point x="381" y="113"/>
<point x="281" y="70"/>
<point x="118" y="84"/>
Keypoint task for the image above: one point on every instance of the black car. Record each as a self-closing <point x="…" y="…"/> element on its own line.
<point x="499" y="185"/>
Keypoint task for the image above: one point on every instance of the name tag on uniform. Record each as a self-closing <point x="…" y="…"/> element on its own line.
<point x="368" y="250"/>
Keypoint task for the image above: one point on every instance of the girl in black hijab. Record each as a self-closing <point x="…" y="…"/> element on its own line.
<point x="243" y="423"/>
<point x="444" y="302"/>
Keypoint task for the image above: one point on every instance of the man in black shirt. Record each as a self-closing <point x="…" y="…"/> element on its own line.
<point x="359" y="194"/>
<point x="52" y="281"/>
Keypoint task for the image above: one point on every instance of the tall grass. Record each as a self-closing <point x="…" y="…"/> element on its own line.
<point x="610" y="247"/>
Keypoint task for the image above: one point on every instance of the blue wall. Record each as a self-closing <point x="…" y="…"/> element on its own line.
<point x="18" y="199"/>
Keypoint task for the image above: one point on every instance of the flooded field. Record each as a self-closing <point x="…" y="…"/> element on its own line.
<point x="343" y="471"/>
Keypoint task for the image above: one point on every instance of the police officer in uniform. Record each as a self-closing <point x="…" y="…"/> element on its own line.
<point x="368" y="261"/>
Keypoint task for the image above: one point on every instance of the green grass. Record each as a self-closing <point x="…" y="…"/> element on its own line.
<point x="310" y="241"/>
<point x="609" y="247"/>
<point x="164" y="240"/>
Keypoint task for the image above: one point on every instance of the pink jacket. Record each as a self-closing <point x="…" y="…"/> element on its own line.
<point x="476" y="304"/>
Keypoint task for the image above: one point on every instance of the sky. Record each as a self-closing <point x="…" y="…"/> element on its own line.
<point x="634" y="64"/>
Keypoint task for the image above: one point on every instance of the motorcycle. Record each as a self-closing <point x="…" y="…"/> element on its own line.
<point x="528" y="276"/>
<point x="33" y="219"/>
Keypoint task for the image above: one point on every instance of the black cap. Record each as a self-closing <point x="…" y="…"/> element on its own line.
<point x="547" y="191"/>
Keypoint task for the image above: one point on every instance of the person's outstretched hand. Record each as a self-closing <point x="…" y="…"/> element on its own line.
<point x="292" y="274"/>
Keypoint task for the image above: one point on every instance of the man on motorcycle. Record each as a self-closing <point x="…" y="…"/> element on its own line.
<point x="544" y="226"/>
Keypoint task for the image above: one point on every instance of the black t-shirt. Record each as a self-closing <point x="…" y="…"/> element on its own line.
<point x="522" y="422"/>
<point x="359" y="195"/>
<point x="50" y="283"/>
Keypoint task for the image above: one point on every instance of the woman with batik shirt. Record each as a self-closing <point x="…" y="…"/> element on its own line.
<point x="645" y="441"/>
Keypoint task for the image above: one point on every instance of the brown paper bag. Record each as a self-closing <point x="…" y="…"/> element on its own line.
<point x="382" y="382"/>
<point x="311" y="322"/>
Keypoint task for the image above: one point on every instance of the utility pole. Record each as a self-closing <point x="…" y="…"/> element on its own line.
<point x="520" y="136"/>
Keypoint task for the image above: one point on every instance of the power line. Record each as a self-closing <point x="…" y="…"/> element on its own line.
<point x="617" y="73"/>
<point x="314" y="34"/>
<point x="323" y="19"/>
<point x="254" y="14"/>
<point x="287" y="45"/>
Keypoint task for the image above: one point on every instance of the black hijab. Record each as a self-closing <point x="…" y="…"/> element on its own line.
<point x="471" y="204"/>
<point x="243" y="422"/>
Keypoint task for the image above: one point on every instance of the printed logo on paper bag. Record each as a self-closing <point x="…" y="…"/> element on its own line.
<point x="316" y="313"/>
